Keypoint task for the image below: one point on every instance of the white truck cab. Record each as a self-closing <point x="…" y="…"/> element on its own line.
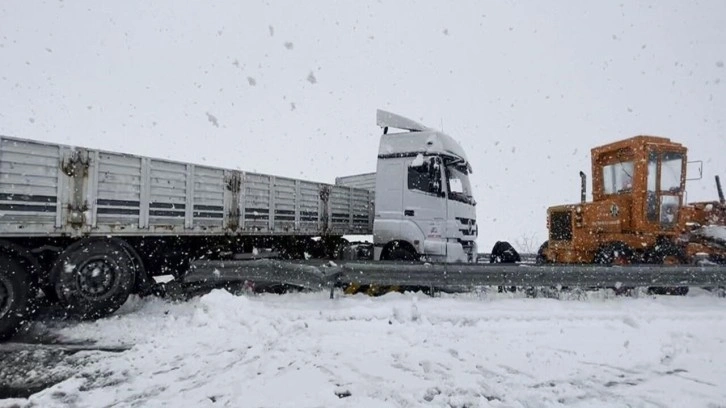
<point x="424" y="206"/>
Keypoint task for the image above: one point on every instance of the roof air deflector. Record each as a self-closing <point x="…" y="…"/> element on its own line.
<point x="386" y="119"/>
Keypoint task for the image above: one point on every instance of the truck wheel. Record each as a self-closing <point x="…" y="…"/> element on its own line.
<point x="401" y="254"/>
<point x="94" y="277"/>
<point x="13" y="296"/>
<point x="398" y="251"/>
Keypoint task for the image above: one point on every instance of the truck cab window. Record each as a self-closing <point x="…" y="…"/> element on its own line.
<point x="424" y="178"/>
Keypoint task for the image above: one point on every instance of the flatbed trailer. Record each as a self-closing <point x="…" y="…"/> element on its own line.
<point x="88" y="227"/>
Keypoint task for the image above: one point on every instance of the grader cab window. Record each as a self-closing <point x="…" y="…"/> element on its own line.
<point x="664" y="186"/>
<point x="670" y="172"/>
<point x="618" y="177"/>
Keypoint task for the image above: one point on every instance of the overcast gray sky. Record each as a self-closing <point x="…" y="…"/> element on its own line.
<point x="291" y="87"/>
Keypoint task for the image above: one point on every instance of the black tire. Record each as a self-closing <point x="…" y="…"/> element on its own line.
<point x="541" y="257"/>
<point x="401" y="254"/>
<point x="94" y="277"/>
<point x="333" y="246"/>
<point x="14" y="291"/>
<point x="504" y="252"/>
<point x="614" y="253"/>
<point x="675" y="291"/>
<point x="666" y="252"/>
<point x="49" y="292"/>
<point x="340" y="247"/>
<point x="398" y="252"/>
<point x="142" y="281"/>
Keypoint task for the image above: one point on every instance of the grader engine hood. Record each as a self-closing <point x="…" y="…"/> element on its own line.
<point x="609" y="216"/>
<point x="581" y="221"/>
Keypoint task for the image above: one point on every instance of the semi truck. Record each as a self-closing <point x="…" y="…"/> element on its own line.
<point x="85" y="228"/>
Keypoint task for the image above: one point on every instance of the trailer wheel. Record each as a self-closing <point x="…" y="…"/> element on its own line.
<point x="13" y="296"/>
<point x="94" y="277"/>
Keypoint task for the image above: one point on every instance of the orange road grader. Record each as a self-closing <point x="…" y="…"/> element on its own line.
<point x="638" y="212"/>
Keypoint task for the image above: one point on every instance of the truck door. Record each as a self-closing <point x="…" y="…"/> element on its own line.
<point x="425" y="203"/>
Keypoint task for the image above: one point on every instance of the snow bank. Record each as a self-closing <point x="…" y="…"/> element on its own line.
<point x="418" y="161"/>
<point x="305" y="350"/>
<point x="717" y="232"/>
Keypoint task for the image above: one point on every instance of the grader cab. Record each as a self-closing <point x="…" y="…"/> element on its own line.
<point x="638" y="213"/>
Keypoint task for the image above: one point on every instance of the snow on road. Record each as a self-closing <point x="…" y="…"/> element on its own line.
<point x="402" y="350"/>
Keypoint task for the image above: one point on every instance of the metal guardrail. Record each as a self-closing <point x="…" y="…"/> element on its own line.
<point x="527" y="258"/>
<point x="597" y="276"/>
<point x="318" y="275"/>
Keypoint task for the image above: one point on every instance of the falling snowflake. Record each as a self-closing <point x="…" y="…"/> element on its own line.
<point x="212" y="119"/>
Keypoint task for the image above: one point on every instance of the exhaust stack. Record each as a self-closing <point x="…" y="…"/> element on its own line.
<point x="721" y="198"/>
<point x="583" y="187"/>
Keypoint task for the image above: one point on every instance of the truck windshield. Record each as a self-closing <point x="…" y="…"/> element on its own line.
<point x="457" y="178"/>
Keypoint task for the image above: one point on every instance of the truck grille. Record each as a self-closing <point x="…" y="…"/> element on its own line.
<point x="468" y="226"/>
<point x="561" y="226"/>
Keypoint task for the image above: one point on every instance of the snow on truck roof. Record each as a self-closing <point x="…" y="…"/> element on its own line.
<point x="418" y="139"/>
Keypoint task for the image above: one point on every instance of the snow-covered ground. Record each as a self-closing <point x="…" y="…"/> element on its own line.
<point x="402" y="350"/>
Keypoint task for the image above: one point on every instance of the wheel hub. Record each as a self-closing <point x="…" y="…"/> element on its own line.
<point x="5" y="296"/>
<point x="96" y="277"/>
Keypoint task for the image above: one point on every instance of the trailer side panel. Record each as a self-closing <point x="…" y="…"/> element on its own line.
<point x="55" y="190"/>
